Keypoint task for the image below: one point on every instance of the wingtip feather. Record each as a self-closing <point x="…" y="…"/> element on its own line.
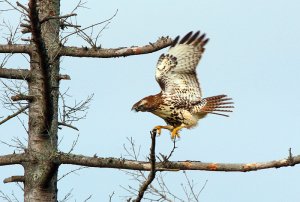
<point x="186" y="37"/>
<point x="192" y="39"/>
<point x="175" y="41"/>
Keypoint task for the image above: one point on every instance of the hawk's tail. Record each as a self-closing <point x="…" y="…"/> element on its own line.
<point x="215" y="105"/>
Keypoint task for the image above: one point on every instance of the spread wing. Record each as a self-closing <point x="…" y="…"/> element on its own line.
<point x="176" y="70"/>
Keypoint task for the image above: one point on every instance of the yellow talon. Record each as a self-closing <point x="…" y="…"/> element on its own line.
<point x="175" y="133"/>
<point x="158" y="128"/>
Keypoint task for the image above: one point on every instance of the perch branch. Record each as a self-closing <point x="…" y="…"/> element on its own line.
<point x="161" y="43"/>
<point x="152" y="173"/>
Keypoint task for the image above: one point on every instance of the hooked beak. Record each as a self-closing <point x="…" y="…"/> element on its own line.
<point x="135" y="108"/>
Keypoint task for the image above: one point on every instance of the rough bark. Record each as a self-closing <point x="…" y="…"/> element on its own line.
<point x="41" y="174"/>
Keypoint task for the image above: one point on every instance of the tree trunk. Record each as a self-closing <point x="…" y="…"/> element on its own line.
<point x="40" y="171"/>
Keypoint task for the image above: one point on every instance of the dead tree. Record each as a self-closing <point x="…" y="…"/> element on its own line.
<point x="41" y="158"/>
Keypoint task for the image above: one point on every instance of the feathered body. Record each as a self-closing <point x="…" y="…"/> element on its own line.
<point x="180" y="101"/>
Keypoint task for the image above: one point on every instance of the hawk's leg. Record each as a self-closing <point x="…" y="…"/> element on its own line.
<point x="175" y="133"/>
<point x="158" y="128"/>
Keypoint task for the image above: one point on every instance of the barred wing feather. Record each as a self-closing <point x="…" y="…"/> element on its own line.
<point x="176" y="70"/>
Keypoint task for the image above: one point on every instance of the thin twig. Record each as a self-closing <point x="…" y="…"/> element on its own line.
<point x="70" y="172"/>
<point x="88" y="198"/>
<point x="22" y="6"/>
<point x="191" y="187"/>
<point x="57" y="17"/>
<point x="67" y="125"/>
<point x="202" y="188"/>
<point x="110" y="196"/>
<point x="14" y="7"/>
<point x="77" y="30"/>
<point x="166" y="158"/>
<point x="74" y="144"/>
<point x="14" y="114"/>
<point x="67" y="196"/>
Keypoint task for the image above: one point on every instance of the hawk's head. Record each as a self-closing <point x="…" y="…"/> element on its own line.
<point x="142" y="105"/>
<point x="148" y="104"/>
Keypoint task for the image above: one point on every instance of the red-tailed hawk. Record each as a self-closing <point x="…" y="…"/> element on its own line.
<point x="180" y="101"/>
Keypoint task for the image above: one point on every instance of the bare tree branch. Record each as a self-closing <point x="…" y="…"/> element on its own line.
<point x="13" y="32"/>
<point x="23" y="74"/>
<point x="19" y="97"/>
<point x="7" y="198"/>
<point x="10" y="73"/>
<point x="88" y="38"/>
<point x="72" y="171"/>
<point x="5" y="59"/>
<point x="67" y="125"/>
<point x="76" y="112"/>
<point x="57" y="17"/>
<point x="15" y="48"/>
<point x="17" y="178"/>
<point x="64" y="77"/>
<point x="22" y="6"/>
<point x="191" y="192"/>
<point x="18" y="144"/>
<point x="67" y="196"/>
<point x="64" y="158"/>
<point x="12" y="159"/>
<point x="140" y="177"/>
<point x="152" y="173"/>
<point x="14" y="7"/>
<point x="111" y="196"/>
<point x="14" y="114"/>
<point x="161" y="43"/>
<point x="166" y="158"/>
<point x="88" y="198"/>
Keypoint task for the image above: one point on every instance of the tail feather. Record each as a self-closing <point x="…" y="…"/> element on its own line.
<point x="219" y="114"/>
<point x="214" y="104"/>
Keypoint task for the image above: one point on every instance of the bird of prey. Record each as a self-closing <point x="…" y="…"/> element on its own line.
<point x="180" y="101"/>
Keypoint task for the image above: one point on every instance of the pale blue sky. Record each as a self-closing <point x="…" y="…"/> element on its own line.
<point x="252" y="56"/>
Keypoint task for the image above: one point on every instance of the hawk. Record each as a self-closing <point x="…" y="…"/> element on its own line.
<point x="180" y="101"/>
